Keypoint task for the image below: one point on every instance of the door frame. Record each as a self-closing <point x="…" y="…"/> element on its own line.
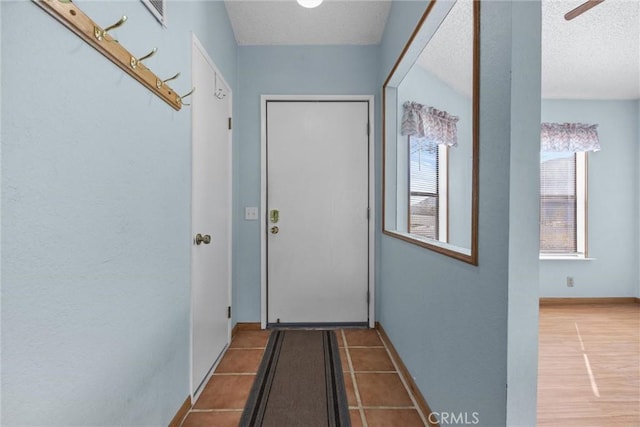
<point x="263" y="193"/>
<point x="196" y="44"/>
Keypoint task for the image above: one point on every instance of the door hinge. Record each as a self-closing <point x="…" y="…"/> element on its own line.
<point x="367" y="296"/>
<point x="229" y="312"/>
<point x="368" y="130"/>
<point x="368" y="213"/>
<point x="230" y="123"/>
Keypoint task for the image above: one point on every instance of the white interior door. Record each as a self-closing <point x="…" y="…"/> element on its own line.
<point x="318" y="183"/>
<point x="211" y="216"/>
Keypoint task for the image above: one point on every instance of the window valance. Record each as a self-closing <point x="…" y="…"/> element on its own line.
<point x="572" y="137"/>
<point x="431" y="126"/>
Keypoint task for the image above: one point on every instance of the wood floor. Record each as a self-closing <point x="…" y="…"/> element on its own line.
<point x="589" y="365"/>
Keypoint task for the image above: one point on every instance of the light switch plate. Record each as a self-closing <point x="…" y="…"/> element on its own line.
<point x="251" y="214"/>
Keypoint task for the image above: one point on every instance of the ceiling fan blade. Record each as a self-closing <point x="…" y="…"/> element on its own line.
<point x="581" y="9"/>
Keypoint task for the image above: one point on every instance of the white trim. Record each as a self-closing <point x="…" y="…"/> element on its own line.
<point x="263" y="210"/>
<point x="372" y="214"/>
<point x="581" y="213"/>
<point x="581" y="205"/>
<point x="443" y="193"/>
<point x="263" y="193"/>
<point x="434" y="242"/>
<point x="195" y="43"/>
<point x="403" y="183"/>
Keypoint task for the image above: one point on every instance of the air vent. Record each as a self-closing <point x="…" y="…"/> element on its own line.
<point x="158" y="9"/>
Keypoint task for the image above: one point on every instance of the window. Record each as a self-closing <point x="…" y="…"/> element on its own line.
<point x="427" y="189"/>
<point x="563" y="203"/>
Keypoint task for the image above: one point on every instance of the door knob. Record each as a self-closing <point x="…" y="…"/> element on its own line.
<point x="206" y="239"/>
<point x="274" y="230"/>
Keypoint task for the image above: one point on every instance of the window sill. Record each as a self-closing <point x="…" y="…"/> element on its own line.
<point x="432" y="242"/>
<point x="565" y="258"/>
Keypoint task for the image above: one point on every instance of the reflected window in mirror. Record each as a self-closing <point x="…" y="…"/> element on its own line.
<point x="427" y="207"/>
<point x="430" y="108"/>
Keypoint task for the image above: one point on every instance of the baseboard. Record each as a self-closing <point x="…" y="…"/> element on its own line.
<point x="182" y="412"/>
<point x="420" y="400"/>
<point x="579" y="301"/>
<point x="245" y="326"/>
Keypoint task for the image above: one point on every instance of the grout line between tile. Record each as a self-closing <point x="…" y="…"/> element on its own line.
<point x="388" y="407"/>
<point x="216" y="410"/>
<point x="186" y="415"/>
<point x="366" y="346"/>
<point x="375" y="372"/>
<point x="247" y="348"/>
<point x="226" y="374"/>
<point x="356" y="390"/>
<point x="404" y="382"/>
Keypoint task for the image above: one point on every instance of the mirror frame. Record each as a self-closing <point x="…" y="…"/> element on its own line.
<point x="472" y="257"/>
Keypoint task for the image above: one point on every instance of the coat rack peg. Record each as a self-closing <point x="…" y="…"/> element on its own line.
<point x="135" y="61"/>
<point x="148" y="55"/>
<point x="180" y="98"/>
<point x="72" y="17"/>
<point x="99" y="33"/>
<point x="117" y="24"/>
<point x="159" y="82"/>
<point x="171" y="78"/>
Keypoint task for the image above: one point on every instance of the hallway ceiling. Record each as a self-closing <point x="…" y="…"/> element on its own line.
<point x="284" y="22"/>
<point x="594" y="56"/>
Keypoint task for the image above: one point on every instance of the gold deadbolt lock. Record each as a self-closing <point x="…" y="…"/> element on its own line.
<point x="274" y="215"/>
<point x="274" y="229"/>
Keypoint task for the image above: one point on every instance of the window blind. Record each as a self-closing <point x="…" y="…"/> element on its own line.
<point x="423" y="189"/>
<point x="558" y="203"/>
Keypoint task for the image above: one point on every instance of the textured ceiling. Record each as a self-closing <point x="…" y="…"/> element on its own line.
<point x="449" y="53"/>
<point x="594" y="56"/>
<point x="284" y="22"/>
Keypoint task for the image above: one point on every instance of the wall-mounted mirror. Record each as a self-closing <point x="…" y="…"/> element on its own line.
<point x="430" y="148"/>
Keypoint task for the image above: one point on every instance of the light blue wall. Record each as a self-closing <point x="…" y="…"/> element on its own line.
<point x="421" y="86"/>
<point x="402" y="19"/>
<point x="96" y="217"/>
<point x="286" y="70"/>
<point x="524" y="229"/>
<point x="613" y="205"/>
<point x="449" y="319"/>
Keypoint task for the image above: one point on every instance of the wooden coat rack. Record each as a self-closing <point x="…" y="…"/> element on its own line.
<point x="78" y="22"/>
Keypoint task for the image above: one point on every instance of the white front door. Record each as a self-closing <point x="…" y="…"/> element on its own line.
<point x="317" y="211"/>
<point x="211" y="216"/>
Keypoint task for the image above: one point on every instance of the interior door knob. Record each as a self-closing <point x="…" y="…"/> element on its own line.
<point x="206" y="239"/>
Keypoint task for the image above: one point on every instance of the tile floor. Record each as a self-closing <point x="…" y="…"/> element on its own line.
<point x="377" y="394"/>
